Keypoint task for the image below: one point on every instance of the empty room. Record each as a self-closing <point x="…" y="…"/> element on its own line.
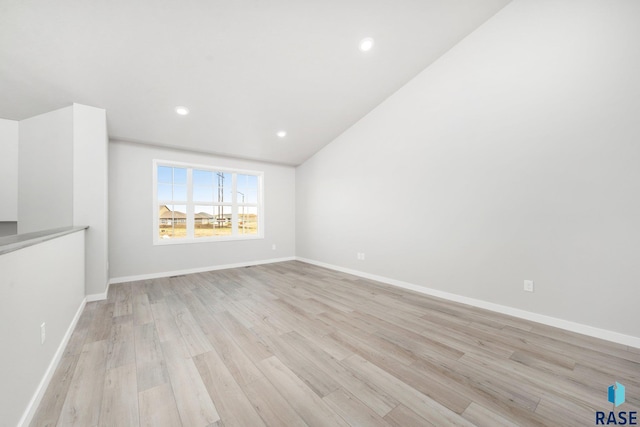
<point x="319" y="213"/>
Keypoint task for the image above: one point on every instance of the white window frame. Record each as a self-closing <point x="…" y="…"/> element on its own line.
<point x="190" y="204"/>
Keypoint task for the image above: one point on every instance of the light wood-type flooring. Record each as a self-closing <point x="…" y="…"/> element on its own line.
<point x="291" y="344"/>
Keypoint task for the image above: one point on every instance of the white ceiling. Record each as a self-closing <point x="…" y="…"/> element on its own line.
<point x="245" y="68"/>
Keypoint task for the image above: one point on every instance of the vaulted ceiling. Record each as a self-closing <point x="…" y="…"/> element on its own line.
<point x="245" y="69"/>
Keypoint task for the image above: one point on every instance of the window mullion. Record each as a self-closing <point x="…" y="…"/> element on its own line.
<point x="190" y="206"/>
<point x="234" y="206"/>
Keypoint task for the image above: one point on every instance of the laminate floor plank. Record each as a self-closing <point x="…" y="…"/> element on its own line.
<point x="583" y="341"/>
<point x="101" y="323"/>
<point x="272" y="407"/>
<point x="384" y="353"/>
<point x="191" y="332"/>
<point x="233" y="405"/>
<point x="152" y="289"/>
<point x="510" y="387"/>
<point x="164" y="321"/>
<point x="158" y="407"/>
<point x="307" y="371"/>
<point x="120" y="344"/>
<point x="462" y="339"/>
<point x="245" y="339"/>
<point x="480" y="389"/>
<point x="141" y="308"/>
<point x="376" y="399"/>
<point x="79" y="336"/>
<point x="597" y="380"/>
<point x="123" y="302"/>
<point x="84" y="397"/>
<point x="421" y="404"/>
<point x="237" y="361"/>
<point x="299" y="345"/>
<point x="440" y="392"/>
<point x="212" y="302"/>
<point x="49" y="410"/>
<point x="352" y="410"/>
<point x="566" y="412"/>
<point x="534" y="381"/>
<point x="250" y="318"/>
<point x="618" y="361"/>
<point x="151" y="369"/>
<point x="120" y="398"/>
<point x="302" y="399"/>
<point x="192" y="398"/>
<point x="483" y="417"/>
<point x="401" y="416"/>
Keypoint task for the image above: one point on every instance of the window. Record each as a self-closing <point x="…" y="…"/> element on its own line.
<point x="194" y="203"/>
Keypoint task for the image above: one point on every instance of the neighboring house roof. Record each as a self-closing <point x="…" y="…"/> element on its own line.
<point x="165" y="213"/>
<point x="201" y="215"/>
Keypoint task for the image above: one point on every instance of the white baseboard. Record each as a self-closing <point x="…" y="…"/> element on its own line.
<point x="44" y="383"/>
<point x="195" y="270"/>
<point x="99" y="297"/>
<point x="515" y="312"/>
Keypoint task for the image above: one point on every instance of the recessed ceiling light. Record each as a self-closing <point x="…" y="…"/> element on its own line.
<point x="366" y="44"/>
<point x="183" y="111"/>
<point x="281" y="134"/>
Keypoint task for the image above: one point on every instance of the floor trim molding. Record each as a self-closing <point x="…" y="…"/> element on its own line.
<point x="99" y="297"/>
<point x="515" y="312"/>
<point x="28" y="414"/>
<point x="195" y="270"/>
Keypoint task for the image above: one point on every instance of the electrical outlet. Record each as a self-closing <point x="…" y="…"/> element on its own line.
<point x="273" y="246"/>
<point x="528" y="285"/>
<point x="43" y="332"/>
<point x="360" y="256"/>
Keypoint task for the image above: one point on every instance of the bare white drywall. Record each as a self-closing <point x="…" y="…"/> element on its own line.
<point x="41" y="283"/>
<point x="63" y="180"/>
<point x="90" y="194"/>
<point x="515" y="156"/>
<point x="45" y="171"/>
<point x="8" y="170"/>
<point x="131" y="249"/>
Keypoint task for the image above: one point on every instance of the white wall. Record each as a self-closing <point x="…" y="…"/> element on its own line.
<point x="63" y="180"/>
<point x="90" y="191"/>
<point x="131" y="249"/>
<point x="515" y="156"/>
<point x="45" y="171"/>
<point x="8" y="170"/>
<point x="51" y="293"/>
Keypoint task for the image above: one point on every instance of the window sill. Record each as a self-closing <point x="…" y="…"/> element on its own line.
<point x="163" y="242"/>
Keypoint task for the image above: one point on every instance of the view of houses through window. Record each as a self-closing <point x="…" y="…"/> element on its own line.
<point x="196" y="203"/>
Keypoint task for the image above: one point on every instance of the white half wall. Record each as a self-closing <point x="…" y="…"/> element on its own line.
<point x="40" y="283"/>
<point x="8" y="170"/>
<point x="90" y="191"/>
<point x="45" y="171"/>
<point x="131" y="249"/>
<point x="515" y="156"/>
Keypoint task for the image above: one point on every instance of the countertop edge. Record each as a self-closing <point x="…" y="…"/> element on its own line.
<point x="21" y="241"/>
